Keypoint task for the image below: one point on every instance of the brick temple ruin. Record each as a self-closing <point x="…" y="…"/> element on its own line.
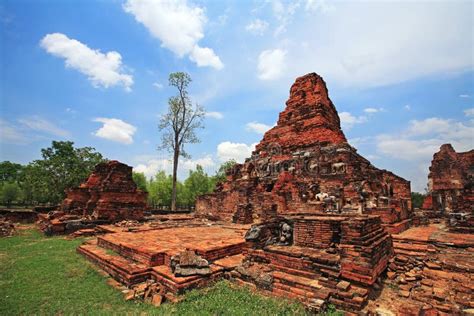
<point x="451" y="188"/>
<point x="108" y="195"/>
<point x="433" y="263"/>
<point x="305" y="217"/>
<point x="304" y="165"/>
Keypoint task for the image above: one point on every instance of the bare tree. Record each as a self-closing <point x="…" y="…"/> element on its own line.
<point x="179" y="124"/>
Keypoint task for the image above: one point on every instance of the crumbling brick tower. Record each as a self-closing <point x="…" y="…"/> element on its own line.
<point x="318" y="207"/>
<point x="109" y="195"/>
<point x="305" y="165"/>
<point x="451" y="187"/>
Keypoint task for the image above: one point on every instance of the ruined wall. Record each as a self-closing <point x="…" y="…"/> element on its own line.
<point x="305" y="165"/>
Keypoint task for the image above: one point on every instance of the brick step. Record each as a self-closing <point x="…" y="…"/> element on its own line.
<point x="121" y="269"/>
<point x="348" y="305"/>
<point x="368" y="238"/>
<point x="312" y="254"/>
<point x="410" y="246"/>
<point x="303" y="273"/>
<point x="230" y="262"/>
<point x="378" y="235"/>
<point x="305" y="287"/>
<point x="409" y="253"/>
<point x="221" y="252"/>
<point x="134" y="254"/>
<point x="178" y="285"/>
<point x="307" y="262"/>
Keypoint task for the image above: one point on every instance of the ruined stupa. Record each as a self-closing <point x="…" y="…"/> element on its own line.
<point x="304" y="165"/>
<point x="108" y="195"/>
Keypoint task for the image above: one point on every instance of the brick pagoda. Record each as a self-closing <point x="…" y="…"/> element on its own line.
<point x="305" y="165"/>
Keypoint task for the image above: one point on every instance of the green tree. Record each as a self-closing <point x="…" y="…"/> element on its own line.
<point x="62" y="167"/>
<point x="10" y="171"/>
<point x="34" y="184"/>
<point x="417" y="199"/>
<point x="160" y="189"/>
<point x="220" y="175"/>
<point x="140" y="180"/>
<point x="197" y="183"/>
<point x="179" y="124"/>
<point x="10" y="192"/>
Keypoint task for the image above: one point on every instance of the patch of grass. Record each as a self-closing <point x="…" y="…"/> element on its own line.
<point x="332" y="311"/>
<point x="225" y="298"/>
<point x="45" y="276"/>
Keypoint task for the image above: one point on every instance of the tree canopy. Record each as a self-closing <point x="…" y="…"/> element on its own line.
<point x="417" y="199"/>
<point x="197" y="183"/>
<point x="45" y="180"/>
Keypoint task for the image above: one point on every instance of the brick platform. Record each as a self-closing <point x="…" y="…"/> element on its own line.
<point x="132" y="257"/>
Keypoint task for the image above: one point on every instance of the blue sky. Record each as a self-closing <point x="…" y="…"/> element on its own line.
<point x="95" y="72"/>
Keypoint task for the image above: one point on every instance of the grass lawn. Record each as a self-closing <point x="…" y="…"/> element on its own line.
<point x="45" y="276"/>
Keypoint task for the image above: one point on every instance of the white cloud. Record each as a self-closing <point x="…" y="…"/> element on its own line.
<point x="348" y="120"/>
<point x="355" y="52"/>
<point x="29" y="129"/>
<point x="103" y="70"/>
<point x="271" y="64"/>
<point x="150" y="166"/>
<point x="257" y="27"/>
<point x="178" y="25"/>
<point x="115" y="130"/>
<point x="39" y="124"/>
<point x="373" y="110"/>
<point x="416" y="145"/>
<point x="469" y="112"/>
<point x="11" y="134"/>
<point x="237" y="151"/>
<point x="204" y="56"/>
<point x="423" y="138"/>
<point x="283" y="14"/>
<point x="257" y="127"/>
<point x="71" y="111"/>
<point x="158" y="85"/>
<point x="215" y="115"/>
<point x="318" y="5"/>
<point x="428" y="126"/>
<point x="464" y="96"/>
<point x="407" y="107"/>
<point x="406" y="149"/>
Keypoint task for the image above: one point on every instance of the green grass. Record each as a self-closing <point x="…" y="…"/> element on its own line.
<point x="45" y="276"/>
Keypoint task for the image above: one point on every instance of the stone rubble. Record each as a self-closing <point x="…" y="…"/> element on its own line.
<point x="188" y="263"/>
<point x="149" y="291"/>
<point x="6" y="228"/>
